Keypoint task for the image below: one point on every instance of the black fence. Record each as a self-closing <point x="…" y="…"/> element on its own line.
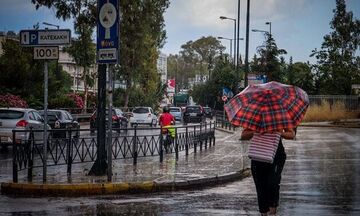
<point x="221" y="120"/>
<point x="79" y="146"/>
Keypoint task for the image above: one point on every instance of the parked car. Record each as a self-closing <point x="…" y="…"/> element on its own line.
<point x="143" y="115"/>
<point x="193" y="114"/>
<point x="177" y="113"/>
<point x="119" y="120"/>
<point x="20" y="119"/>
<point x="208" y="112"/>
<point x="61" y="119"/>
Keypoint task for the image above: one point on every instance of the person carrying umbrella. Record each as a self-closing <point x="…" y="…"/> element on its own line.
<point x="267" y="112"/>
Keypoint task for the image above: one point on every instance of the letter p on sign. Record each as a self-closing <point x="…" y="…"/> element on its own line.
<point x="33" y="38"/>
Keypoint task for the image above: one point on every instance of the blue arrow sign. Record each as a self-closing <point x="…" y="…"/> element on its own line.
<point x="108" y="32"/>
<point x="227" y="92"/>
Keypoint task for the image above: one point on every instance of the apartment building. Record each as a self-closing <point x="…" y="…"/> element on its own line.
<point x="67" y="62"/>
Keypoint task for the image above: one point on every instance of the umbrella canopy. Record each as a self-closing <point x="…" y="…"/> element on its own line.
<point x="268" y="107"/>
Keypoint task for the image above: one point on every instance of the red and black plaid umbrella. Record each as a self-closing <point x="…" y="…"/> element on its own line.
<point x="268" y="107"/>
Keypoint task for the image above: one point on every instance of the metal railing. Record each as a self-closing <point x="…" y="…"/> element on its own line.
<point x="82" y="116"/>
<point x="134" y="143"/>
<point x="222" y="121"/>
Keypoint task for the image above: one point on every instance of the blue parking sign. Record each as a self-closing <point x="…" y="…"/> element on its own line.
<point x="108" y="31"/>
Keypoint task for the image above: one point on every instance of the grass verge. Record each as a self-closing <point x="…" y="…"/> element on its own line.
<point x="329" y="112"/>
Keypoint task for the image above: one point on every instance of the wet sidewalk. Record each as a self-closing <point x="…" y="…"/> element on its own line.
<point x="225" y="161"/>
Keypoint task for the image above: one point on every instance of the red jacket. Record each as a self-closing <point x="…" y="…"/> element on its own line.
<point x="166" y="119"/>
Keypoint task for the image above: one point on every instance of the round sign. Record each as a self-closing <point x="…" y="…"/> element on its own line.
<point x="224" y="98"/>
<point x="107" y="15"/>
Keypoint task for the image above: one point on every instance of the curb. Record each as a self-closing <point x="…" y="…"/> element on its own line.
<point x="332" y="125"/>
<point x="85" y="189"/>
<point x="317" y="125"/>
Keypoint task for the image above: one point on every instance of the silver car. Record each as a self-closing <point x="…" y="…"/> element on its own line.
<point x="143" y="115"/>
<point x="176" y="112"/>
<point x="20" y="119"/>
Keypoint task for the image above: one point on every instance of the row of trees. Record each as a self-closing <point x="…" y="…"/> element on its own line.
<point x="337" y="67"/>
<point x="338" y="60"/>
<point x="196" y="57"/>
<point x="142" y="35"/>
<point x="23" y="76"/>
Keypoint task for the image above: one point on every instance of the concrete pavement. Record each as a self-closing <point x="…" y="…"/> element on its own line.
<point x="224" y="162"/>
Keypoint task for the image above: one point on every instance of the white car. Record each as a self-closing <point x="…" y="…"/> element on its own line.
<point x="143" y="115"/>
<point x="20" y="119"/>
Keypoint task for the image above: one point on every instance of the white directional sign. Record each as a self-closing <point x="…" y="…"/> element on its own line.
<point x="46" y="53"/>
<point x="45" y="37"/>
<point x="107" y="54"/>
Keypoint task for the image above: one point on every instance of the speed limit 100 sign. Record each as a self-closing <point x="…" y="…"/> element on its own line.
<point x="46" y="53"/>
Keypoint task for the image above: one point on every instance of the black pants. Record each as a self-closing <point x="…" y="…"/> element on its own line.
<point x="267" y="179"/>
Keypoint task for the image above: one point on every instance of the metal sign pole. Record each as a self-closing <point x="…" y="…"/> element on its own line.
<point x="107" y="45"/>
<point x="45" y="118"/>
<point x="224" y="99"/>
<point x="45" y="43"/>
<point x="224" y="112"/>
<point x="100" y="166"/>
<point x="110" y="99"/>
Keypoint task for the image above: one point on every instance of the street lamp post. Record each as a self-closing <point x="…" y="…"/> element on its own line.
<point x="235" y="42"/>
<point x="257" y="30"/>
<point x="269" y="36"/>
<point x="269" y="23"/>
<point x="262" y="31"/>
<point x="229" y="39"/>
<point x="247" y="44"/>
<point x="49" y="24"/>
<point x="238" y="39"/>
<point x="237" y="47"/>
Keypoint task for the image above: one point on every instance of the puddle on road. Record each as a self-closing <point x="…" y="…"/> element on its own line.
<point x="128" y="209"/>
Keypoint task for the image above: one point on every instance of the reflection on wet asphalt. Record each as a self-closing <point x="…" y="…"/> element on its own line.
<point x="321" y="177"/>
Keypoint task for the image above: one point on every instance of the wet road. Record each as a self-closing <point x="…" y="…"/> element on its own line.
<point x="321" y="177"/>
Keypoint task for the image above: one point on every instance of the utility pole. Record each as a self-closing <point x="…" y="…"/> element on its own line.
<point x="247" y="44"/>
<point x="237" y="44"/>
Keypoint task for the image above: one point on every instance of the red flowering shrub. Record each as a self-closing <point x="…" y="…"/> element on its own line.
<point x="10" y="100"/>
<point x="79" y="102"/>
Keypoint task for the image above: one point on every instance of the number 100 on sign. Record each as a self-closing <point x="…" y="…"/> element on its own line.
<point x="46" y="53"/>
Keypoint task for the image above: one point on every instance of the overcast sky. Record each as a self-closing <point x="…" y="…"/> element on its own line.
<point x="298" y="26"/>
